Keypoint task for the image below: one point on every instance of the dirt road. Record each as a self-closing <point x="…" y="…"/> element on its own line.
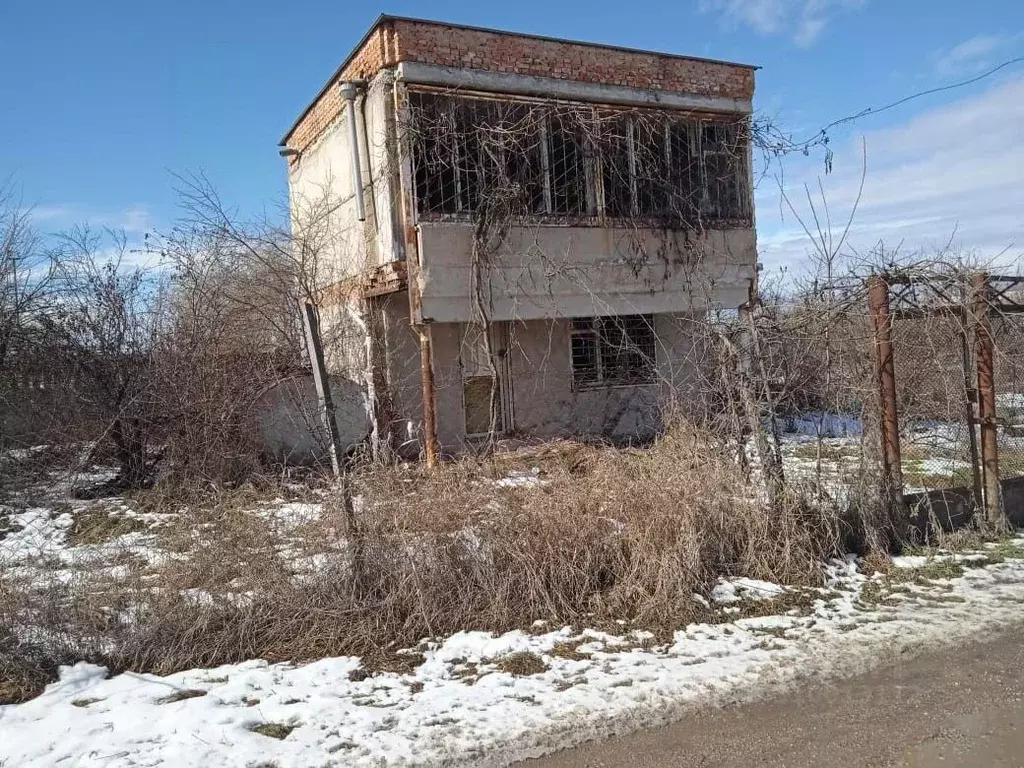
<point x="961" y="707"/>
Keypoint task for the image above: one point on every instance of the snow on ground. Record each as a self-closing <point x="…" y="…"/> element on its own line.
<point x="42" y="532"/>
<point x="518" y="478"/>
<point x="35" y="531"/>
<point x="21" y="454"/>
<point x="286" y="516"/>
<point x="38" y="548"/>
<point x="735" y="590"/>
<point x="937" y="453"/>
<point x="823" y="425"/>
<point x="1011" y="401"/>
<point x="920" y="561"/>
<point x="465" y="706"/>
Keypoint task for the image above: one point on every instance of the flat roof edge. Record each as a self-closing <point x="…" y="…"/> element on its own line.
<point x="385" y="18"/>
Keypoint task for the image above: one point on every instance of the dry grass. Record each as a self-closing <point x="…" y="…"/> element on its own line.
<point x="522" y="664"/>
<point x="273" y="730"/>
<point x="570" y="650"/>
<point x="99" y="525"/>
<point x="182" y="695"/>
<point x="609" y="535"/>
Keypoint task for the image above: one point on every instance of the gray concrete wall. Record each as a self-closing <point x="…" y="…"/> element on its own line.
<point x="402" y="361"/>
<point x="291" y="425"/>
<point x="322" y="190"/>
<point x="544" y="401"/>
<point x="549" y="271"/>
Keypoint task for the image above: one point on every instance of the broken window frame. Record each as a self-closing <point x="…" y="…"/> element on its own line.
<point x="621" y="351"/>
<point x="732" y="151"/>
<point x="686" y="192"/>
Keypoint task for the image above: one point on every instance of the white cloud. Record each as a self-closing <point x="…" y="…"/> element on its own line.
<point x="133" y="219"/>
<point x="973" y="55"/>
<point x="136" y="221"/>
<point x="803" y="21"/>
<point x="953" y="171"/>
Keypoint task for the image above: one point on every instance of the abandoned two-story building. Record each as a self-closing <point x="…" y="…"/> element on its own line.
<point x="513" y="235"/>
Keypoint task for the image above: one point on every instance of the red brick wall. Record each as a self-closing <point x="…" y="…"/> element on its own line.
<point x="400" y="40"/>
<point x="376" y="53"/>
<point x="504" y="52"/>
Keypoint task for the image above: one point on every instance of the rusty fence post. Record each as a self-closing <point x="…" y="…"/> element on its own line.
<point x="971" y="395"/>
<point x="429" y="398"/>
<point x="984" y="352"/>
<point x="881" y="326"/>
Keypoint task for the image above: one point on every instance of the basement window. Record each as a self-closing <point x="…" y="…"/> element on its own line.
<point x="611" y="351"/>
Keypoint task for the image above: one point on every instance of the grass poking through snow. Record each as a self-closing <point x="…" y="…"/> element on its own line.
<point x="182" y="695"/>
<point x="273" y="730"/>
<point x="522" y="664"/>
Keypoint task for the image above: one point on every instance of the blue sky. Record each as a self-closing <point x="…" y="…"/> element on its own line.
<point x="112" y="97"/>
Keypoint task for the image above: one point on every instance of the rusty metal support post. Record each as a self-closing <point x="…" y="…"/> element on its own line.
<point x="881" y="325"/>
<point x="984" y="352"/>
<point x="401" y="154"/>
<point x="429" y="398"/>
<point x="971" y="395"/>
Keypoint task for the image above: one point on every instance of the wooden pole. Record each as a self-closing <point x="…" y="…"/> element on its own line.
<point x="881" y="324"/>
<point x="314" y="345"/>
<point x="984" y="351"/>
<point x="429" y="397"/>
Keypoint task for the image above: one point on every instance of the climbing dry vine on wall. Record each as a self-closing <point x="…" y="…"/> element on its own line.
<point x="498" y="164"/>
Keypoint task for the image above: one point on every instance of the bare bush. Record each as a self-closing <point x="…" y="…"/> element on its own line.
<point x="603" y="535"/>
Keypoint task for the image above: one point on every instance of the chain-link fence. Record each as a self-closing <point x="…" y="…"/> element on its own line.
<point x="956" y="389"/>
<point x="934" y="394"/>
<point x="1008" y="336"/>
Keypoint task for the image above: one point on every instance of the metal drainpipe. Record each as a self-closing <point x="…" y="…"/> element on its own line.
<point x="348" y="93"/>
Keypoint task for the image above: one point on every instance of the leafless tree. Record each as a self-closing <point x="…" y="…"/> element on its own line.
<point x="101" y="335"/>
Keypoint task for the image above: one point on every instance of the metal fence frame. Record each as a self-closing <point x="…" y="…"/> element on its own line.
<point x="974" y="299"/>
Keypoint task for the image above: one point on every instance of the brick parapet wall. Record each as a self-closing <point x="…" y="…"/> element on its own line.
<point x="398" y="40"/>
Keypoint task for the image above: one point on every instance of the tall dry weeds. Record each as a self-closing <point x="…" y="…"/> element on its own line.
<point x="606" y="534"/>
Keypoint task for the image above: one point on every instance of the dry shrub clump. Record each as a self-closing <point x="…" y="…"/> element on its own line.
<point x="605" y="534"/>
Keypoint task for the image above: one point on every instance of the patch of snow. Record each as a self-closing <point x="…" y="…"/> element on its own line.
<point x="734" y="590"/>
<point x="288" y="515"/>
<point x="20" y="454"/>
<point x="919" y="561"/>
<point x="1010" y="400"/>
<point x="459" y="708"/>
<point x="823" y="425"/>
<point x="36" y="532"/>
<point x="519" y="478"/>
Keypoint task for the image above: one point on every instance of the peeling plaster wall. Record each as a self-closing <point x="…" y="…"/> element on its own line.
<point x="325" y="223"/>
<point x="321" y="180"/>
<point x="545" y="404"/>
<point x="585" y="271"/>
